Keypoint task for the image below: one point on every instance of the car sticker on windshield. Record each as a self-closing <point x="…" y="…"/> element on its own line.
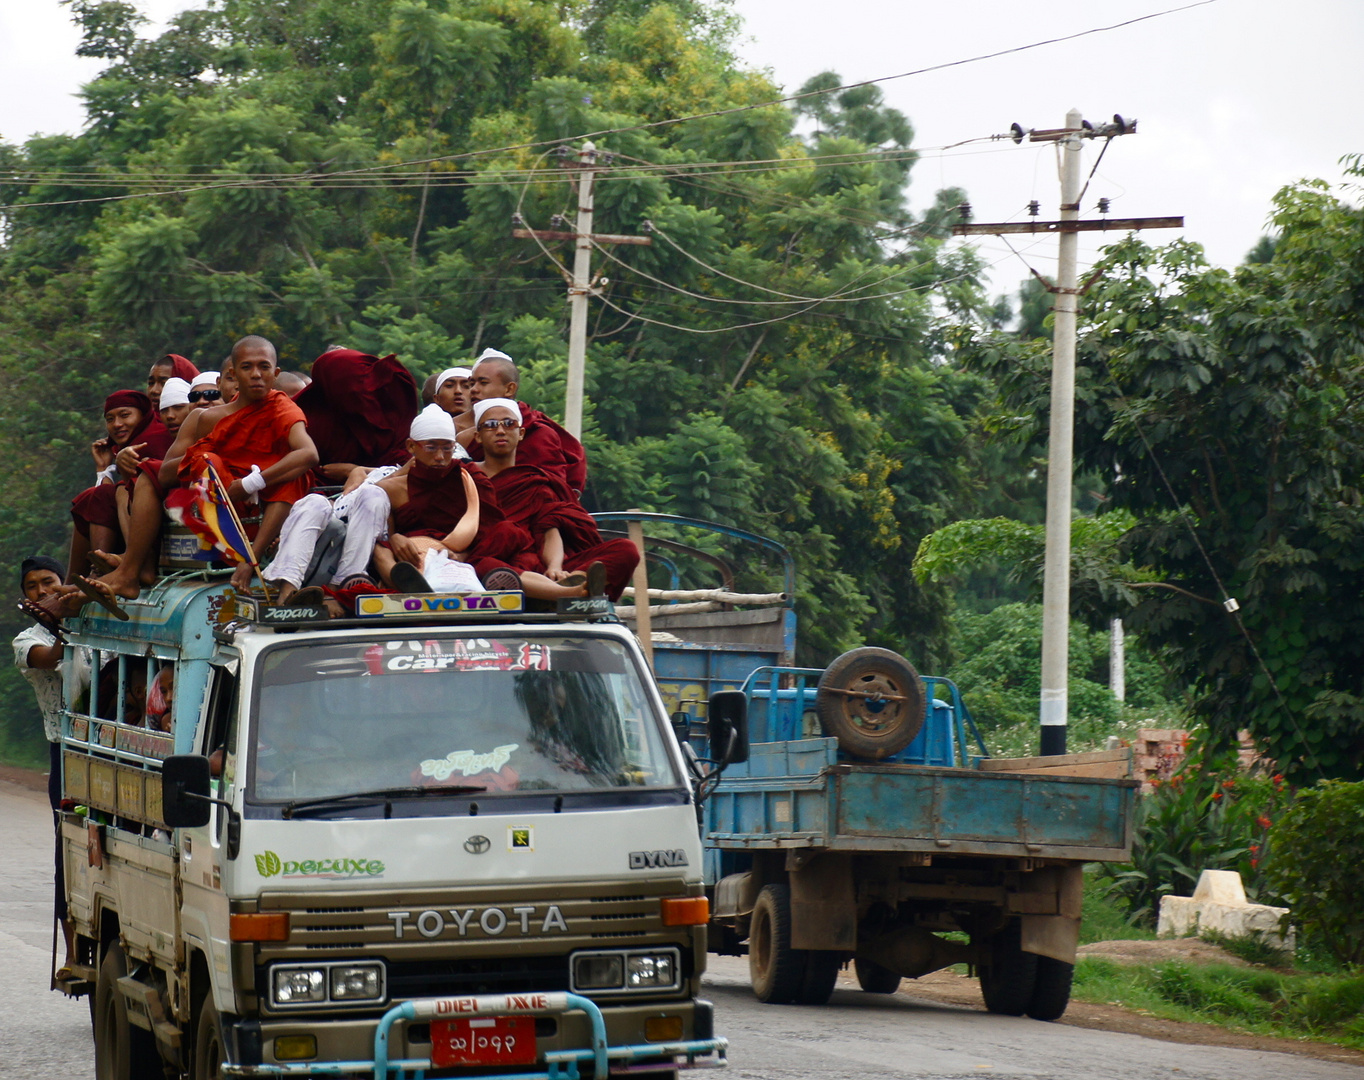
<point x="460" y="654"/>
<point x="467" y="762"/>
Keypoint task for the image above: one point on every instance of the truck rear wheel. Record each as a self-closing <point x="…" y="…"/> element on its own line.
<point x="875" y="979"/>
<point x="122" y="1051"/>
<point x="1008" y="981"/>
<point x="776" y="971"/>
<point x="872" y="701"/>
<point x="821" y="975"/>
<point x="1051" y="991"/>
<point x="209" y="1056"/>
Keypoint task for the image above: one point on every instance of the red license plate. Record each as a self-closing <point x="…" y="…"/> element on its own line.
<point x="483" y="1040"/>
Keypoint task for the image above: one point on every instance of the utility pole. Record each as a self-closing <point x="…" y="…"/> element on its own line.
<point x="1053" y="709"/>
<point x="580" y="286"/>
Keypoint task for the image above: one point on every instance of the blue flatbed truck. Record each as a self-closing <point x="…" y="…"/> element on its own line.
<point x="865" y="820"/>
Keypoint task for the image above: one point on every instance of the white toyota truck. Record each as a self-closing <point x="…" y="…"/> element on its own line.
<point x="443" y="838"/>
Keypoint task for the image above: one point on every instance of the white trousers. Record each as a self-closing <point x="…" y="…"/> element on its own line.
<point x="366" y="519"/>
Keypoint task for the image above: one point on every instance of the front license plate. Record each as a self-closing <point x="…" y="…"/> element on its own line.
<point x="483" y="1040"/>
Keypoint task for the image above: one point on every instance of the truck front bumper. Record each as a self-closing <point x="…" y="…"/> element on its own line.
<point x="584" y="1035"/>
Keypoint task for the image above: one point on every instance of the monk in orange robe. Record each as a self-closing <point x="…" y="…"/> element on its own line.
<point x="260" y="447"/>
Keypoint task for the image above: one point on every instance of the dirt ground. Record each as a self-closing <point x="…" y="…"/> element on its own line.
<point x="947" y="986"/>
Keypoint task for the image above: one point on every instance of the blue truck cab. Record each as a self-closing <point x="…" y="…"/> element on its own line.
<point x="864" y="820"/>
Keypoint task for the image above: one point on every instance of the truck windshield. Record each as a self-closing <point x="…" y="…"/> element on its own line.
<point x="488" y="714"/>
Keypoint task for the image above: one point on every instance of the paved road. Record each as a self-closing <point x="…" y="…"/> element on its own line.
<point x="44" y="1036"/>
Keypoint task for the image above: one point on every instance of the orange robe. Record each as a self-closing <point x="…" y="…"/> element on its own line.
<point x="255" y="435"/>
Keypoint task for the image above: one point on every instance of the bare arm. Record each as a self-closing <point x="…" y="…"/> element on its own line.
<point x="354" y="478"/>
<point x="186" y="437"/>
<point x="462" y="535"/>
<point x="552" y="552"/>
<point x="44" y="657"/>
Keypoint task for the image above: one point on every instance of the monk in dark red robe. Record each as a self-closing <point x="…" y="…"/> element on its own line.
<point x="170" y="366"/>
<point x="452" y="504"/>
<point x="543" y="442"/>
<point x="566" y="537"/>
<point x="359" y="408"/>
<point x="133" y="433"/>
<point x="258" y="443"/>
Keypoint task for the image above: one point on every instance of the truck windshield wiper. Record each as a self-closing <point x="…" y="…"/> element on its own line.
<point x="381" y="795"/>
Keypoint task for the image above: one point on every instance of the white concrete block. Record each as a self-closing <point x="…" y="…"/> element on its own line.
<point x="1219" y="905"/>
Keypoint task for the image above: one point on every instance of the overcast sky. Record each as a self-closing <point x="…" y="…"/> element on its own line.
<point x="1234" y="98"/>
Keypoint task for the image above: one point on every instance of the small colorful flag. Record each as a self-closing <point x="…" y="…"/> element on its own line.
<point x="204" y="508"/>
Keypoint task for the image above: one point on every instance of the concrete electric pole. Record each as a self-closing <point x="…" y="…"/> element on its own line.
<point x="1056" y="574"/>
<point x="580" y="286"/>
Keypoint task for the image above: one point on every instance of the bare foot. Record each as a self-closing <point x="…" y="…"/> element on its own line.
<point x="102" y="593"/>
<point x="104" y="562"/>
<point x="119" y="582"/>
<point x="284" y="590"/>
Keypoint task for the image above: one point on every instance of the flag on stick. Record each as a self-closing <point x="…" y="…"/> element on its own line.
<point x="204" y="508"/>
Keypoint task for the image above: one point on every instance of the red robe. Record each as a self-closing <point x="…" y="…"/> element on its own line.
<point x="436" y="502"/>
<point x="535" y="499"/>
<point x="255" y="435"/>
<point x="96" y="505"/>
<point x="359" y="408"/>
<point x="545" y="443"/>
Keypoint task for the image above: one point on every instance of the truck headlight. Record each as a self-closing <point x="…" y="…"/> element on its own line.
<point x="649" y="969"/>
<point x="296" y="986"/>
<point x="623" y="971"/>
<point x="357" y="982"/>
<point x="598" y="971"/>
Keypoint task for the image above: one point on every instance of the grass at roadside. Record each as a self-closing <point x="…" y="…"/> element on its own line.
<point x="1256" y="1000"/>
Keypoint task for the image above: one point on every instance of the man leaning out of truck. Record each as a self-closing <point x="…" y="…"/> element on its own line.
<point x="38" y="653"/>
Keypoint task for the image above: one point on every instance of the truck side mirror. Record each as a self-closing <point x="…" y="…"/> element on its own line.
<point x="185" y="800"/>
<point x="727" y="726"/>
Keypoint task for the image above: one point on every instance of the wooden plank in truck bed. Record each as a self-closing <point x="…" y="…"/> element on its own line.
<point x="1114" y="764"/>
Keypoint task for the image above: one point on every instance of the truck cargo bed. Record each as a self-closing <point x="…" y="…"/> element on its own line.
<point x="797" y="794"/>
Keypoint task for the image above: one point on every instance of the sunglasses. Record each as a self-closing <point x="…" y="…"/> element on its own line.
<point x="205" y="395"/>
<point x="493" y="425"/>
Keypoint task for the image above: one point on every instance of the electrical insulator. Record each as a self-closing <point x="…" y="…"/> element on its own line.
<point x="1103" y="205"/>
<point x="1125" y="127"/>
<point x="1034" y="208"/>
<point x="965" y="211"/>
<point x="1016" y="132"/>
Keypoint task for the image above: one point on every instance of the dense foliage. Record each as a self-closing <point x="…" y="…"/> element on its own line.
<point x="349" y="171"/>
<point x="1319" y="852"/>
<point x="1222" y="410"/>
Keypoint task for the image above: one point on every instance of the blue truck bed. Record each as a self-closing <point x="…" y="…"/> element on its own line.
<point x="797" y="794"/>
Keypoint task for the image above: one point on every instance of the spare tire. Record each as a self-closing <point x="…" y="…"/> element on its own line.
<point x="872" y="701"/>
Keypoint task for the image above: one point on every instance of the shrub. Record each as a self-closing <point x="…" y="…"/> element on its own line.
<point x="1205" y="818"/>
<point x="1318" y="866"/>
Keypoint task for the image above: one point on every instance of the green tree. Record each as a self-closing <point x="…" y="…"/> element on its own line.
<point x="1222" y="409"/>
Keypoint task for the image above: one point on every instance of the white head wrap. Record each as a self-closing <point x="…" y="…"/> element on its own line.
<point x="175" y="392"/>
<point x="205" y="380"/>
<point x="452" y="373"/>
<point x="492" y="354"/>
<point x="431" y="423"/>
<point x="480" y="407"/>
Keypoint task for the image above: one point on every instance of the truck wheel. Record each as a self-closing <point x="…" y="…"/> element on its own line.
<point x="873" y="726"/>
<point x="1008" y="980"/>
<point x="821" y="975"/>
<point x="209" y="1056"/>
<point x="875" y="979"/>
<point x="776" y="971"/>
<point x="1051" y="991"/>
<point x="122" y="1051"/>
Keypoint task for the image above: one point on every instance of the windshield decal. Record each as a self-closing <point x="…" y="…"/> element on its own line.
<point x="463" y="654"/>
<point x="468" y="763"/>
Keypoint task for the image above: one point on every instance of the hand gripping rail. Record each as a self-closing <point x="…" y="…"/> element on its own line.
<point x="562" y="1064"/>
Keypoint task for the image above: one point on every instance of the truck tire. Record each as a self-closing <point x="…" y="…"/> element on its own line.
<point x="122" y="1051"/>
<point x="1051" y="991"/>
<point x="875" y="727"/>
<point x="1008" y="980"/>
<point x="821" y="975"/>
<point x="775" y="970"/>
<point x="209" y="1055"/>
<point x="875" y="979"/>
